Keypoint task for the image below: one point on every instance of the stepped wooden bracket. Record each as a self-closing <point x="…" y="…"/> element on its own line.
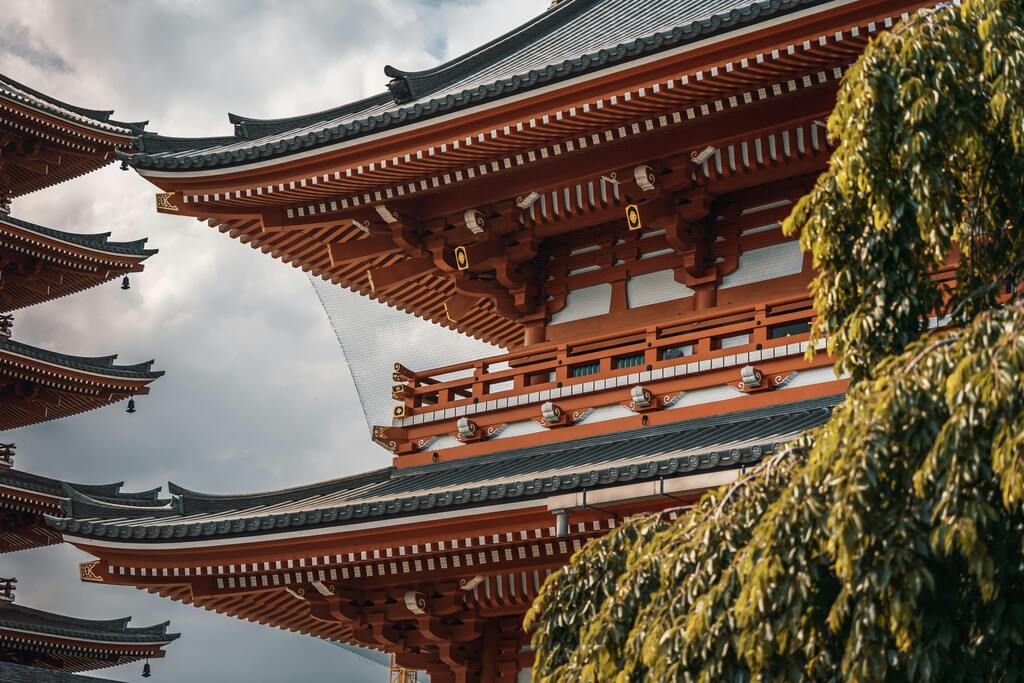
<point x="643" y="400"/>
<point x="469" y="431"/>
<point x="754" y="381"/>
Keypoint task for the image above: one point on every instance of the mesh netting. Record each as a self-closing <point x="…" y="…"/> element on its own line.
<point x="373" y="337"/>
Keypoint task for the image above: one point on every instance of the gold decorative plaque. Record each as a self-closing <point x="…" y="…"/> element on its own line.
<point x="633" y="217"/>
<point x="165" y="202"/>
<point x="462" y="258"/>
<point x="87" y="572"/>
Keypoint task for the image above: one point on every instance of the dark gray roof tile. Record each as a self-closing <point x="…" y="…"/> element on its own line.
<point x="99" y="241"/>
<point x="19" y="673"/>
<point x="101" y="365"/>
<point x="112" y="630"/>
<point x="667" y="451"/>
<point x="573" y="38"/>
<point x="95" y="118"/>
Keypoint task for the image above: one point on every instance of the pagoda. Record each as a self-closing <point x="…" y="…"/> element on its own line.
<point x="43" y="142"/>
<point x="598" y="192"/>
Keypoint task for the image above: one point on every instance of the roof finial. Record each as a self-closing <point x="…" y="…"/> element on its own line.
<point x="6" y="326"/>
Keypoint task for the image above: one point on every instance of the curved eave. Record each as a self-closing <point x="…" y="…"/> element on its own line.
<point x="98" y="120"/>
<point x="97" y="244"/>
<point x="585" y="65"/>
<point x="99" y="367"/>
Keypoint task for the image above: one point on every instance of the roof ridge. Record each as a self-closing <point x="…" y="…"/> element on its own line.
<point x="187" y="154"/>
<point x="407" y="86"/>
<point x="251" y="128"/>
<point x="99" y="115"/>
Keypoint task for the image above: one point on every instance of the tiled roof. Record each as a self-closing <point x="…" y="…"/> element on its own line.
<point x="97" y="241"/>
<point x="13" y="616"/>
<point x="573" y="38"/>
<point x="668" y="451"/>
<point x="19" y="673"/>
<point x="93" y="118"/>
<point x="111" y="493"/>
<point x="101" y="365"/>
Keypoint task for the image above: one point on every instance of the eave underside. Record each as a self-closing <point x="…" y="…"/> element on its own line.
<point x="53" y="641"/>
<point x="37" y="385"/>
<point x="39" y="264"/>
<point x="20" y="673"/>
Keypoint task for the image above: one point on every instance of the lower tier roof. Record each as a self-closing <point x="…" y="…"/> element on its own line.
<point x="38" y="622"/>
<point x="19" y="673"/>
<point x="45" y="640"/>
<point x="25" y="497"/>
<point x="668" y="451"/>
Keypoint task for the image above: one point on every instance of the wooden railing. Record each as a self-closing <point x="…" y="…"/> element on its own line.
<point x="436" y="394"/>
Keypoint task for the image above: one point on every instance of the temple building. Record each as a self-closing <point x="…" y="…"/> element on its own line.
<point x="44" y="142"/>
<point x="598" y="193"/>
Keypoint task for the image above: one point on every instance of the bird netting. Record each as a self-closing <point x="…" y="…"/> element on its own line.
<point x="374" y="336"/>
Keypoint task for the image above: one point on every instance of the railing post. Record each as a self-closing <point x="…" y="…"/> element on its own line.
<point x="479" y="370"/>
<point x="760" y="333"/>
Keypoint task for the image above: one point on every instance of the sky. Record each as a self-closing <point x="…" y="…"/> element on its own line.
<point x="257" y="394"/>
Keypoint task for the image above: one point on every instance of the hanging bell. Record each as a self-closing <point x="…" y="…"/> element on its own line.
<point x="125" y="284"/>
<point x="131" y="406"/>
<point x="146" y="670"/>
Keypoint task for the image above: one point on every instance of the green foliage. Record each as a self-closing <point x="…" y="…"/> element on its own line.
<point x="888" y="545"/>
<point x="892" y="549"/>
<point x="930" y="130"/>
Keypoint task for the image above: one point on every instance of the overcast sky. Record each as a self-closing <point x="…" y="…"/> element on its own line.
<point x="257" y="394"/>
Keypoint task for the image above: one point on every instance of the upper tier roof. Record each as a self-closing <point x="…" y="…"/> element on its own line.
<point x="573" y="38"/>
<point x="91" y="118"/>
<point x="717" y="442"/>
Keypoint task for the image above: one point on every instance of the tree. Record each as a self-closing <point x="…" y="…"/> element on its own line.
<point x="887" y="545"/>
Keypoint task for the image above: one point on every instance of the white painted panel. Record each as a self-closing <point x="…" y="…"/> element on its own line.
<point x="709" y="395"/>
<point x="768" y="263"/>
<point x="609" y="412"/>
<point x="806" y="378"/>
<point x="520" y="428"/>
<point x="585" y="303"/>
<point x="446" y="441"/>
<point x="734" y="341"/>
<point x="654" y="288"/>
<point x="524" y="676"/>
